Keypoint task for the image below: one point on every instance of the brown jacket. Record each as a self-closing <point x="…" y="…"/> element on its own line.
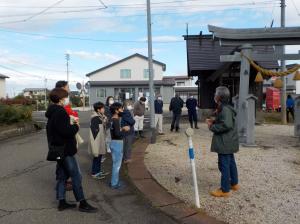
<point x="139" y="109"/>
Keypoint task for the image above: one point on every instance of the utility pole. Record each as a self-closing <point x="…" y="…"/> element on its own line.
<point x="45" y="94"/>
<point x="151" y="82"/>
<point x="283" y="68"/>
<point x="68" y="59"/>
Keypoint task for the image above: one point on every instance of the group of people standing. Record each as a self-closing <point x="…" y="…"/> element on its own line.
<point x="113" y="128"/>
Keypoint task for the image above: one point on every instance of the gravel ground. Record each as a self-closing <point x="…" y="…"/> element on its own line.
<point x="269" y="175"/>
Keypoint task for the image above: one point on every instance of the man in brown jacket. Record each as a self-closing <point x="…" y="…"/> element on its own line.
<point x="138" y="113"/>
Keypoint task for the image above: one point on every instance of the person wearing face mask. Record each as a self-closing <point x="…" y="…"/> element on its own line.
<point x="73" y="117"/>
<point x="97" y="143"/>
<point x="61" y="134"/>
<point x="127" y="120"/>
<point x="139" y="113"/>
<point x="158" y="107"/>
<point x="191" y="105"/>
<point x="116" y="145"/>
<point x="225" y="142"/>
<point x="109" y="101"/>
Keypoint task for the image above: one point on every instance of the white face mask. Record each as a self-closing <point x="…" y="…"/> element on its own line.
<point x="129" y="107"/>
<point x="66" y="101"/>
<point x="159" y="98"/>
<point x="192" y="97"/>
<point x="111" y="102"/>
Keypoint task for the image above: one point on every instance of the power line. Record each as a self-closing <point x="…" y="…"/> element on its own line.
<point x="102" y="3"/>
<point x="160" y="4"/>
<point x="54" y="12"/>
<point x="34" y="66"/>
<point x="83" y="39"/>
<point x="43" y="11"/>
<point x="296" y="7"/>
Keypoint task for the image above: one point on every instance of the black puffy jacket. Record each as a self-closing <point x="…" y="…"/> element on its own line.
<point x="59" y="130"/>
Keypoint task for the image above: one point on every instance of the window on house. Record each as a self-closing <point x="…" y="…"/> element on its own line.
<point x="125" y="73"/>
<point x="146" y="73"/>
<point x="180" y="84"/>
<point x="101" y="93"/>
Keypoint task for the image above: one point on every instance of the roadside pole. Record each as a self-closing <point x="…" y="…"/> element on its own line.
<point x="189" y="133"/>
<point x="283" y="68"/>
<point x="151" y="83"/>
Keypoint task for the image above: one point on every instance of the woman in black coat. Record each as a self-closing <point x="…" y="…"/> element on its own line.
<point x="61" y="133"/>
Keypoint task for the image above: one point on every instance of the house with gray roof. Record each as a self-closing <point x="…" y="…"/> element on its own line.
<point x="128" y="78"/>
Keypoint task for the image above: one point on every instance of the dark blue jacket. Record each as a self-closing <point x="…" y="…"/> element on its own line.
<point x="191" y="104"/>
<point x="127" y="120"/>
<point x="158" y="106"/>
<point x="176" y="105"/>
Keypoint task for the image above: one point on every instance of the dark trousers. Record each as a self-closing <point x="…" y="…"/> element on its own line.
<point x="128" y="140"/>
<point x="193" y="117"/>
<point x="175" y="121"/>
<point x="288" y="111"/>
<point x="96" y="166"/>
<point x="65" y="169"/>
<point x="228" y="169"/>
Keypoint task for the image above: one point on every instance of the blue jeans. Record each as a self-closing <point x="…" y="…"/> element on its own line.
<point x="69" y="168"/>
<point x="96" y="166"/>
<point x="228" y="169"/>
<point x="116" y="147"/>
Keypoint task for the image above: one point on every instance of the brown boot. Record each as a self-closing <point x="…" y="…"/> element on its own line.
<point x="235" y="187"/>
<point x="219" y="193"/>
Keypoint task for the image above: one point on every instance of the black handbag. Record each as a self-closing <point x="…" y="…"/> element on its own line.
<point x="56" y="153"/>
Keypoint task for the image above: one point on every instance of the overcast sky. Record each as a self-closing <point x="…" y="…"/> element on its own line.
<point x="35" y="35"/>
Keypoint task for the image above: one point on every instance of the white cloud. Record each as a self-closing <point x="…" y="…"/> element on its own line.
<point x="166" y="38"/>
<point x="94" y="55"/>
<point x="144" y="51"/>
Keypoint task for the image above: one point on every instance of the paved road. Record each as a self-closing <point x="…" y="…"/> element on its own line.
<point x="27" y="192"/>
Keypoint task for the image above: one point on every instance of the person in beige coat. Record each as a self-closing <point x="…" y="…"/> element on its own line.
<point x="97" y="141"/>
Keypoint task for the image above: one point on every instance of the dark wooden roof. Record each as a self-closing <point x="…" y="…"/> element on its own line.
<point x="3" y="76"/>
<point x="203" y="54"/>
<point x="257" y="36"/>
<point x="125" y="59"/>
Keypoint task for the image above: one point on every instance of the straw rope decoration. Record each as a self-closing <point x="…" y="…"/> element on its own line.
<point x="267" y="72"/>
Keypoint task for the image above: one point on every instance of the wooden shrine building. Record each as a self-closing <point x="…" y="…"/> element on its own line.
<point x="203" y="60"/>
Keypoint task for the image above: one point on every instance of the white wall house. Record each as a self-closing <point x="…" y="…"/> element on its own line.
<point x="128" y="79"/>
<point x="3" y="86"/>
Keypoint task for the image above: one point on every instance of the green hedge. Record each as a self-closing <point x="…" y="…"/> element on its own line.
<point x="10" y="114"/>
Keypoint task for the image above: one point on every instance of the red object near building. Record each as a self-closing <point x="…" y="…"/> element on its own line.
<point x="272" y="98"/>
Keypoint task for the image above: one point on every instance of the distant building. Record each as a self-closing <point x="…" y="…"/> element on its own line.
<point x="34" y="93"/>
<point x="128" y="78"/>
<point x="3" y="85"/>
<point x="184" y="86"/>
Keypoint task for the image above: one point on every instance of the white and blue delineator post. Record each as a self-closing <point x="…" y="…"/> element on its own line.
<point x="190" y="132"/>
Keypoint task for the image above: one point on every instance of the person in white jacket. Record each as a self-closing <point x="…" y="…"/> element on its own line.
<point x="97" y="141"/>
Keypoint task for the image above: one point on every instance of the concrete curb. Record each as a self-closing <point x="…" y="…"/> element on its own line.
<point x="19" y="129"/>
<point x="159" y="196"/>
